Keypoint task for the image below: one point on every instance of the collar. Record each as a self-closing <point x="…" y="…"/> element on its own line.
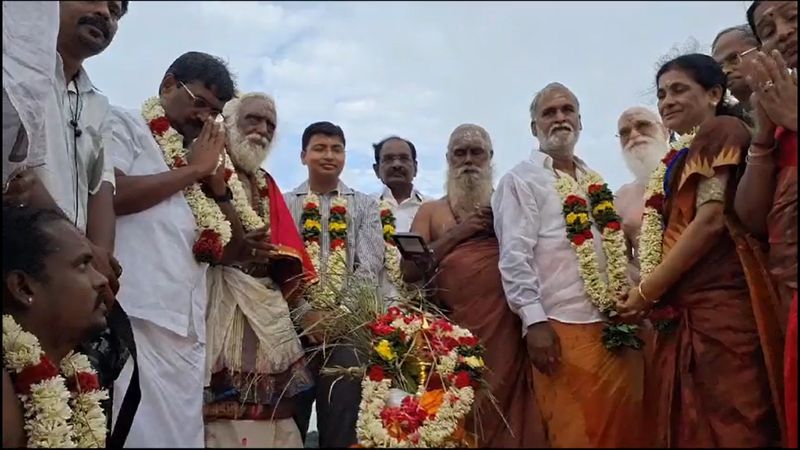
<point x="542" y="159"/>
<point x="82" y="80"/>
<point x="341" y="189"/>
<point x="388" y="196"/>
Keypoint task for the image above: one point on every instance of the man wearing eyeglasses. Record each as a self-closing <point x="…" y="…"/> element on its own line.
<point x="164" y="288"/>
<point x="644" y="141"/>
<point x="731" y="46"/>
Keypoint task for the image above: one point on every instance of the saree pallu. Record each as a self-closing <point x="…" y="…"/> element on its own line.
<point x="716" y="378"/>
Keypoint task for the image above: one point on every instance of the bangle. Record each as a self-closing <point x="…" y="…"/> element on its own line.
<point x="770" y="145"/>
<point x="228" y="196"/>
<point x="644" y="297"/>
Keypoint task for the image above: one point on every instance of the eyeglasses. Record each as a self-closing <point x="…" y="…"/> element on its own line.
<point x="735" y="59"/>
<point x="200" y="102"/>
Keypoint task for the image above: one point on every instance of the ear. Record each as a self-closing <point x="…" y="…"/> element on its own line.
<point x="18" y="285"/>
<point x="377" y="172"/>
<point x="303" y="157"/>
<point x="715" y="95"/>
<point x="168" y="85"/>
<point x="580" y="123"/>
<point x="413" y="175"/>
<point x="533" y="129"/>
<point x="491" y="154"/>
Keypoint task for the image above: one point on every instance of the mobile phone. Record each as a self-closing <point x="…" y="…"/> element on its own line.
<point x="410" y="244"/>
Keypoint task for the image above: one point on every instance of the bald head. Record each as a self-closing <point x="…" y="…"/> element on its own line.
<point x="469" y="134"/>
<point x="250" y="120"/>
<point x="644" y="140"/>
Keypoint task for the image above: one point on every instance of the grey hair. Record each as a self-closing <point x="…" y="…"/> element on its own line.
<point x="551" y="86"/>
<point x="745" y="30"/>
<point x="231" y="109"/>
<point x="469" y="129"/>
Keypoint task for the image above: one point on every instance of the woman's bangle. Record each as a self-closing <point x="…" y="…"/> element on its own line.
<point x="644" y="297"/>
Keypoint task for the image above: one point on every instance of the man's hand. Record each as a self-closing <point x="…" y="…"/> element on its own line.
<point x="544" y="347"/>
<point x="311" y="322"/>
<point x="216" y="182"/>
<point x="105" y="263"/>
<point x="18" y="189"/>
<point x="633" y="308"/>
<point x="256" y="248"/>
<point x="205" y="151"/>
<point x="479" y="221"/>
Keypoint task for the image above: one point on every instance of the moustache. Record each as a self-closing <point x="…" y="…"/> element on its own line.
<point x="97" y="22"/>
<point x="560" y="126"/>
<point x="257" y="139"/>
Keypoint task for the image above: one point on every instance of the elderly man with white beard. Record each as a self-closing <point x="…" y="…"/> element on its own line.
<point x="545" y="210"/>
<point x="467" y="284"/>
<point x="645" y="141"/>
<point x="255" y="364"/>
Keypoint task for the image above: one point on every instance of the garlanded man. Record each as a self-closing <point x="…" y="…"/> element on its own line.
<point x="644" y="141"/>
<point x="175" y="217"/>
<point x="730" y="48"/>
<point x="396" y="166"/>
<point x="255" y="363"/>
<point x="341" y="230"/>
<point x="465" y="254"/>
<point x="562" y="259"/>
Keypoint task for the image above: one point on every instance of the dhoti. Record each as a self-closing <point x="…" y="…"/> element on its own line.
<point x="595" y="397"/>
<point x="171" y="369"/>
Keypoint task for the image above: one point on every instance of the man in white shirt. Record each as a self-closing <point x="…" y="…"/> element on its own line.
<point x="589" y="397"/>
<point x="164" y="288"/>
<point x="396" y="166"/>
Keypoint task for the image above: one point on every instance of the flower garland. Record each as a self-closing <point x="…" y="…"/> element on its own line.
<point x="214" y="230"/>
<point x="651" y="238"/>
<point x="578" y="215"/>
<point x="323" y="295"/>
<point x="54" y="415"/>
<point x="391" y="253"/>
<point x="251" y="221"/>
<point x="404" y="343"/>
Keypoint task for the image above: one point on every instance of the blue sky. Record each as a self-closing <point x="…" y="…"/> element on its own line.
<point x="417" y="69"/>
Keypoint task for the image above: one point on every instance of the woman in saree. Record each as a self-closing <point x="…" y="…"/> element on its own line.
<point x="716" y="354"/>
<point x="766" y="201"/>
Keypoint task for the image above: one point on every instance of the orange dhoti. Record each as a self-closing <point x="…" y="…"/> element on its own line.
<point x="595" y="397"/>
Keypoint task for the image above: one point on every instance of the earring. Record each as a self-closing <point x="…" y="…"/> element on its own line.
<point x="29" y="300"/>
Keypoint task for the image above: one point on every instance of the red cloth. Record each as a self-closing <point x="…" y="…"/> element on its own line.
<point x="790" y="376"/>
<point x="295" y="267"/>
<point x="787" y="147"/>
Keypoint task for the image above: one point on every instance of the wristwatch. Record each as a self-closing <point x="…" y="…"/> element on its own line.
<point x="228" y="196"/>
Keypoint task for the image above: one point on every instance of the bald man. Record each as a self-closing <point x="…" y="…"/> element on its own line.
<point x="644" y="141"/>
<point x="590" y="397"/>
<point x="467" y="284"/>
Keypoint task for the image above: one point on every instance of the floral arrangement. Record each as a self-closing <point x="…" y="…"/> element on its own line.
<point x="663" y="317"/>
<point x="60" y="410"/>
<point x="251" y="220"/>
<point x="578" y="214"/>
<point x="324" y="295"/>
<point x="391" y="253"/>
<point x="421" y="381"/>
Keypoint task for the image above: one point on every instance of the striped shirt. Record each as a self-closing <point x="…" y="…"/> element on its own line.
<point x="365" y="248"/>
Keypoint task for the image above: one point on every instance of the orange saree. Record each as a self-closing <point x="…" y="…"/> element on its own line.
<point x="716" y="376"/>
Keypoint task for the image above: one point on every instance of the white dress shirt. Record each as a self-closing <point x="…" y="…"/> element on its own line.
<point x="71" y="176"/>
<point x="538" y="265"/>
<point x="30" y="32"/>
<point x="162" y="282"/>
<point x="405" y="211"/>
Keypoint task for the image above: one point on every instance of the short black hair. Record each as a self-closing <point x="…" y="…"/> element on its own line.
<point x="751" y="18"/>
<point x="743" y="29"/>
<point x="207" y="69"/>
<point x="324" y="128"/>
<point x="26" y="244"/>
<point x="124" y="7"/>
<point x="379" y="146"/>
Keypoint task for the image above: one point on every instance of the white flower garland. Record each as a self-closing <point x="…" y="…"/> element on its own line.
<point x="602" y="294"/>
<point x="54" y="418"/>
<point x="324" y="294"/>
<point x="251" y="221"/>
<point x="391" y="252"/>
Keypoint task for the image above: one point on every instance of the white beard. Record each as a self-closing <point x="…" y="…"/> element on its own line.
<point x="643" y="159"/>
<point x="560" y="143"/>
<point x="247" y="152"/>
<point x="468" y="192"/>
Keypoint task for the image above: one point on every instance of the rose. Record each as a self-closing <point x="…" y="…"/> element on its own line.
<point x="208" y="247"/>
<point x="385" y="213"/>
<point x="462" y="379"/>
<point x="578" y="239"/>
<point x="376" y="373"/>
<point x="613" y="225"/>
<point x="595" y="188"/>
<point x="310" y="206"/>
<point x="656" y="202"/>
<point x="468" y="341"/>
<point x="86" y="382"/>
<point x="159" y="125"/>
<point x="381" y="329"/>
<point x="35" y="374"/>
<point x="574" y="199"/>
<point x="339" y="210"/>
<point x="337" y="243"/>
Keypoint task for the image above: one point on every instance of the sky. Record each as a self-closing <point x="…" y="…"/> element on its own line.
<point x="417" y="69"/>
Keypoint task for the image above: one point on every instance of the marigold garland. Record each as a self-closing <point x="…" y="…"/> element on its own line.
<point x="323" y="295"/>
<point x="391" y="253"/>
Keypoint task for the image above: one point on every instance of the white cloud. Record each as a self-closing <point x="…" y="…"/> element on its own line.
<point x="417" y="69"/>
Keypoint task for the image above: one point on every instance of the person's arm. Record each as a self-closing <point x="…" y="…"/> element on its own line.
<point x="101" y="219"/>
<point x="754" y="195"/>
<point x="370" y="251"/>
<point x="516" y="223"/>
<point x="13" y="418"/>
<point x="137" y="193"/>
<point x="700" y="236"/>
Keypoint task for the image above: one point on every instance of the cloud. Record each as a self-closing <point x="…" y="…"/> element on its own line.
<point x="417" y="69"/>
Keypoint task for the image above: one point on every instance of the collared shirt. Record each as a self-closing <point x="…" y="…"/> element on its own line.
<point x="365" y="251"/>
<point x="538" y="265"/>
<point x="75" y="167"/>
<point x="404" y="212"/>
<point x="30" y="32"/>
<point x="162" y="282"/>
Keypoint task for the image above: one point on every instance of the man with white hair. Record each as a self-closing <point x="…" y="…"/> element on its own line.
<point x="255" y="364"/>
<point x="554" y="218"/>
<point x="645" y="141"/>
<point x="468" y="285"/>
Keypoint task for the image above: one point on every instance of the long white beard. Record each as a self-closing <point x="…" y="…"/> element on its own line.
<point x="643" y="159"/>
<point x="247" y="152"/>
<point x="467" y="192"/>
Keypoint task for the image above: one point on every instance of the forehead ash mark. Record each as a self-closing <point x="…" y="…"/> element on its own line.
<point x="638" y="112"/>
<point x="469" y="133"/>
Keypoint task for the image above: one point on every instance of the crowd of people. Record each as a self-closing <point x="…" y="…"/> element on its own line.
<point x="157" y="281"/>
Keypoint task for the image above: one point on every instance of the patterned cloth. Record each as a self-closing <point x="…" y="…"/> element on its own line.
<point x="253" y="433"/>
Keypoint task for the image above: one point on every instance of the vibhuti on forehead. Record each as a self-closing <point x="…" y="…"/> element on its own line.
<point x="469" y="132"/>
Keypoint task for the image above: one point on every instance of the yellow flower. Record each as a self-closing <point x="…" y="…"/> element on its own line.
<point x="583" y="218"/>
<point x="474" y="361"/>
<point x="571" y="218"/>
<point x="604" y="205"/>
<point x="312" y="224"/>
<point x="388" y="229"/>
<point x="384" y="349"/>
<point x="337" y="227"/>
